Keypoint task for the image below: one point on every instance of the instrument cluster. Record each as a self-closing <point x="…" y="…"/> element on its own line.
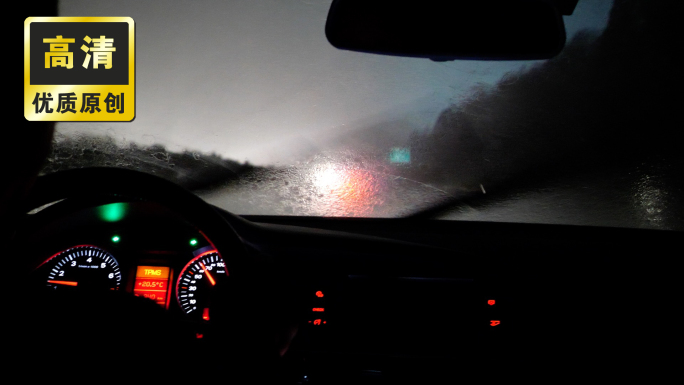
<point x="138" y="247"/>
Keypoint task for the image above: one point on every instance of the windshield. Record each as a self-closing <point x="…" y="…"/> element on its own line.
<point x="248" y="105"/>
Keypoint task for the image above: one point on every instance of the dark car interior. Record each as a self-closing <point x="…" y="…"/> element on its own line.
<point x="315" y="300"/>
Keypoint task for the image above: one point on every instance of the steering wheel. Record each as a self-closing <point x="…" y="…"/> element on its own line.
<point x="89" y="184"/>
<point x="120" y="330"/>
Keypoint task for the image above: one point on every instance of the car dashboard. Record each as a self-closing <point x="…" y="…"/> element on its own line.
<point x="332" y="300"/>
<point x="136" y="247"/>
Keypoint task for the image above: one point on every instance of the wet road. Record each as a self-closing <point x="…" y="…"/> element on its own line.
<point x="644" y="194"/>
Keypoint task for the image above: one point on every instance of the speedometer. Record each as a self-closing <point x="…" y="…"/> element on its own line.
<point x="84" y="266"/>
<point x="197" y="279"/>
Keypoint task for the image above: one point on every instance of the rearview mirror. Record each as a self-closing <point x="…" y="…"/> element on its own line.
<point x="448" y="30"/>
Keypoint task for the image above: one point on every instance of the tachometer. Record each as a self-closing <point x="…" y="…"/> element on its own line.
<point x="196" y="280"/>
<point x="84" y="266"/>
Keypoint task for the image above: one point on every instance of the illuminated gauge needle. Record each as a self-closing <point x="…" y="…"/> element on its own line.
<point x="65" y="283"/>
<point x="211" y="279"/>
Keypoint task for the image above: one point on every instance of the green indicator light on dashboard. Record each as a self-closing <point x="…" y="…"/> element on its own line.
<point x="193" y="242"/>
<point x="116" y="239"/>
<point x="112" y="212"/>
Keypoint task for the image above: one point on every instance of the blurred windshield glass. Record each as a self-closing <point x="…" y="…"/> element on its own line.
<point x="247" y="104"/>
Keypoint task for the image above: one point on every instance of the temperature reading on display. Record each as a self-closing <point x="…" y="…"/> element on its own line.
<point x="152" y="282"/>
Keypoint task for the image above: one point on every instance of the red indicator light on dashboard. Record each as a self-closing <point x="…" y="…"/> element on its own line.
<point x="319" y="294"/>
<point x="491" y="302"/>
<point x="317" y="321"/>
<point x="199" y="336"/>
<point x="318" y="309"/>
<point x="205" y="314"/>
<point x="494" y="322"/>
